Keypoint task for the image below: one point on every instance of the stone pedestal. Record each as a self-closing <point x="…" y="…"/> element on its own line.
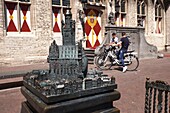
<point x="67" y="87"/>
<point x="93" y="103"/>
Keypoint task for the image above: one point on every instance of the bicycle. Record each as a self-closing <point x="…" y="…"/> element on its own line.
<point x="108" y="58"/>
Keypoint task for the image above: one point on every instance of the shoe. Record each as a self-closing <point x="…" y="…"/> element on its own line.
<point x="124" y="69"/>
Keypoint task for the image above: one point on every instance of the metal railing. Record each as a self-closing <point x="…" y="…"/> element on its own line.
<point x="157" y="97"/>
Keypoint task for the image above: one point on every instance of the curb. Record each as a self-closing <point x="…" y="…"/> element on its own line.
<point x="11" y="81"/>
<point x="4" y="76"/>
<point x="11" y="84"/>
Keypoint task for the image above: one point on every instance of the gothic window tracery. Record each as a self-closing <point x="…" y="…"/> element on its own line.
<point x="158" y="17"/>
<point x="141" y="10"/>
<point x="120" y="12"/>
<point x="122" y="6"/>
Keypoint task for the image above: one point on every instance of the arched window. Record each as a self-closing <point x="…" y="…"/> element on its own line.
<point x="120" y="12"/>
<point x="158" y="17"/>
<point x="122" y="6"/>
<point x="141" y="13"/>
<point x="138" y="8"/>
<point x="143" y="8"/>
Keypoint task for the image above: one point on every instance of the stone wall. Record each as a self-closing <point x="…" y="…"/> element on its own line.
<point x="30" y="48"/>
<point x="2" y="47"/>
<point x="76" y="7"/>
<point x="137" y="39"/>
<point x="150" y="24"/>
<point x="167" y="21"/>
<point x="1" y="21"/>
<point x="132" y="16"/>
<point x="150" y="19"/>
<point x="151" y="37"/>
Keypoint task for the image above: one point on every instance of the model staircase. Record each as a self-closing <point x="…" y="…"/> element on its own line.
<point x="90" y="55"/>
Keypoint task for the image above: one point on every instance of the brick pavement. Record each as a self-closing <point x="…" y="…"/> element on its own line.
<point x="10" y="100"/>
<point x="130" y="84"/>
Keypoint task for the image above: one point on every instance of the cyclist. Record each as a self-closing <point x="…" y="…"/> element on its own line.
<point x="124" y="43"/>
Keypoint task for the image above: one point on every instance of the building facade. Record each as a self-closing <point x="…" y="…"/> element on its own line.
<point x="27" y="27"/>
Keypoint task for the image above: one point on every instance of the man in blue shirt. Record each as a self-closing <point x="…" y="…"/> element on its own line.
<point x="124" y="43"/>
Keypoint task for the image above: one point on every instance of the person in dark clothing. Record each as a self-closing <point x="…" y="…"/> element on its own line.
<point x="124" y="43"/>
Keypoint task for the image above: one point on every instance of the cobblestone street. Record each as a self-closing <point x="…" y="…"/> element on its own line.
<point x="131" y="85"/>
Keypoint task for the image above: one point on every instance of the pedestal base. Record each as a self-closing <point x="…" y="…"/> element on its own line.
<point x="97" y="103"/>
<point x="27" y="109"/>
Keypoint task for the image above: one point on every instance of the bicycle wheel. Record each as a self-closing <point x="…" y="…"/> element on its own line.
<point x="95" y="60"/>
<point x="131" y="61"/>
<point x="102" y="62"/>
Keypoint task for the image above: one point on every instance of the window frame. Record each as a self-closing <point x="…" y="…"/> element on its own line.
<point x="141" y="16"/>
<point x="158" y="18"/>
<point x="18" y="9"/>
<point x="93" y="2"/>
<point x="61" y="8"/>
<point x="118" y="15"/>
